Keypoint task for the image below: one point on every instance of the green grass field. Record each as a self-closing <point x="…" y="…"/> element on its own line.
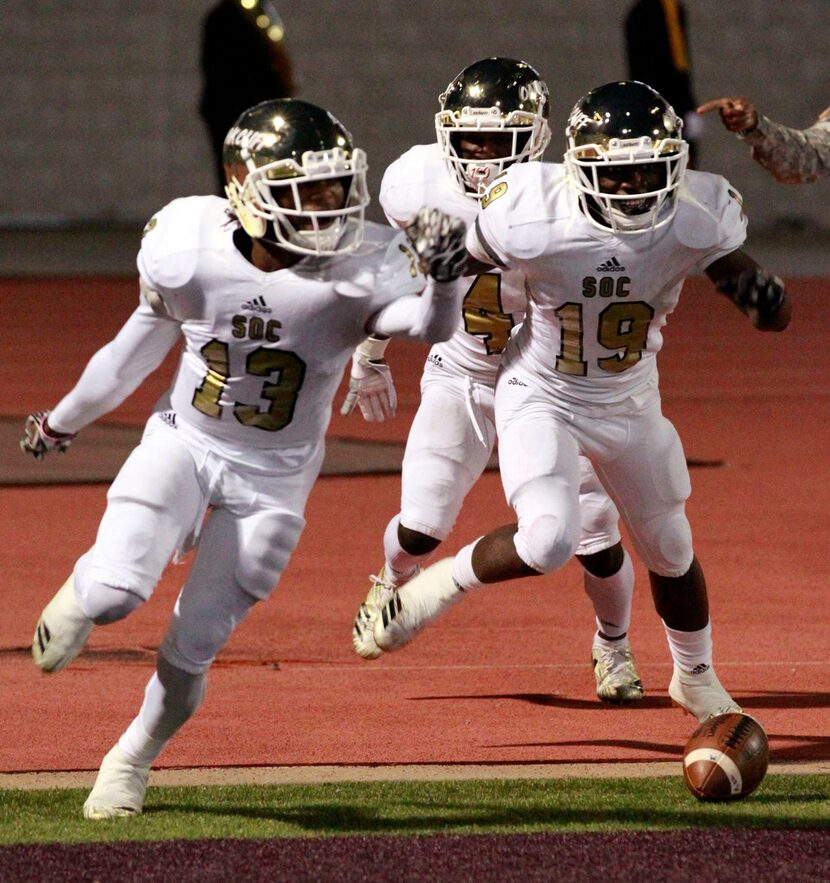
<point x="527" y="805"/>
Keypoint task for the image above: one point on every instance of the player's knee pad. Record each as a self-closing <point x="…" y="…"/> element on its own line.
<point x="665" y="543"/>
<point x="198" y="631"/>
<point x="101" y="601"/>
<point x="437" y="526"/>
<point x="549" y="528"/>
<point x="268" y="544"/>
<point x="599" y="523"/>
<point x="546" y="543"/>
<point x="431" y="502"/>
<point x="154" y="503"/>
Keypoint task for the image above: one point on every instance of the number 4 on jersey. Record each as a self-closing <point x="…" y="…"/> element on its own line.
<point x="484" y="315"/>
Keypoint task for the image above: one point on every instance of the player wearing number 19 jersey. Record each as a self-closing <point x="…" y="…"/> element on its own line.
<point x="270" y="290"/>
<point x="493" y="116"/>
<point x="605" y="243"/>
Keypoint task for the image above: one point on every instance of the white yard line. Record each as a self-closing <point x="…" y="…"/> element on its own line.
<point x="317" y="775"/>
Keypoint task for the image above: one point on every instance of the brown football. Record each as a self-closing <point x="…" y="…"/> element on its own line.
<point x="726" y="757"/>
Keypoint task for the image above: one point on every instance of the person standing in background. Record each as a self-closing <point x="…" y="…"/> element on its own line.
<point x="792" y="156"/>
<point x="244" y="61"/>
<point x="657" y="49"/>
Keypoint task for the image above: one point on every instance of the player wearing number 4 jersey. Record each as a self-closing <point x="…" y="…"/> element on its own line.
<point x="605" y="242"/>
<point x="271" y="291"/>
<point x="493" y="114"/>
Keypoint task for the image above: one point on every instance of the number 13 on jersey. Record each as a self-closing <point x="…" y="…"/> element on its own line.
<point x="285" y="369"/>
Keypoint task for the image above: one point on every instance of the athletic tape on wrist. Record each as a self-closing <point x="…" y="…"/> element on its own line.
<point x="372" y="348"/>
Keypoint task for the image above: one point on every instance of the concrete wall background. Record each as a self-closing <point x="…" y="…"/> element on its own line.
<point x="98" y="121"/>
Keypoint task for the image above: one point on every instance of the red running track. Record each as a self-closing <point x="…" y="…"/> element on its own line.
<point x="505" y="676"/>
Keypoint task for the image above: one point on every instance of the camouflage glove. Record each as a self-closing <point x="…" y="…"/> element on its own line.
<point x="438" y="240"/>
<point x="39" y="438"/>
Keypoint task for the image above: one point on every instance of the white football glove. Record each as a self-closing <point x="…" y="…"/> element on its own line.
<point x="438" y="240"/>
<point x="370" y="383"/>
<point x="40" y="439"/>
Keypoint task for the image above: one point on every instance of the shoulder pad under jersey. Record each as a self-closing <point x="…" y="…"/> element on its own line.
<point x="176" y="235"/>
<point x="709" y="212"/>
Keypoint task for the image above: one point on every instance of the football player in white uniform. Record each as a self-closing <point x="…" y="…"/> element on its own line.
<point x="605" y="242"/>
<point x="271" y="291"/>
<point x="493" y="114"/>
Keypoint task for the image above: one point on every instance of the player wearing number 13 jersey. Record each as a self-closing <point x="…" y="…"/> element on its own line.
<point x="271" y="290"/>
<point x="493" y="116"/>
<point x="605" y="243"/>
<point x="264" y="351"/>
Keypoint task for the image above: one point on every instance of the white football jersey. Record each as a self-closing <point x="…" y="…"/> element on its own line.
<point x="597" y="301"/>
<point x="494" y="302"/>
<point x="263" y="352"/>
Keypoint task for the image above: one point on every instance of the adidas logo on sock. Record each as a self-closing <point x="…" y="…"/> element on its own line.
<point x="612" y="265"/>
<point x="700" y="669"/>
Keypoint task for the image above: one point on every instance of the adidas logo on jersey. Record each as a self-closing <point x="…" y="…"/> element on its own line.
<point x="514" y="381"/>
<point x="611" y="266"/>
<point x="436" y="360"/>
<point x="257" y="305"/>
<point x="168" y="417"/>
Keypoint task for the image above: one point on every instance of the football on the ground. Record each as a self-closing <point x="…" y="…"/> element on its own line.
<point x="726" y="757"/>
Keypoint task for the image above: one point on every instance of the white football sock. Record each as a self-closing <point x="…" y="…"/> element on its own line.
<point x="691" y="651"/>
<point x="462" y="569"/>
<point x="611" y="597"/>
<point x="400" y="564"/>
<point x="171" y="698"/>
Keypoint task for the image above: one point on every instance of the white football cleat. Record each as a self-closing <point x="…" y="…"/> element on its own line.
<point x="363" y="637"/>
<point x="61" y="631"/>
<point x="422" y="600"/>
<point x="119" y="788"/>
<point x="701" y="695"/>
<point x="616" y="674"/>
